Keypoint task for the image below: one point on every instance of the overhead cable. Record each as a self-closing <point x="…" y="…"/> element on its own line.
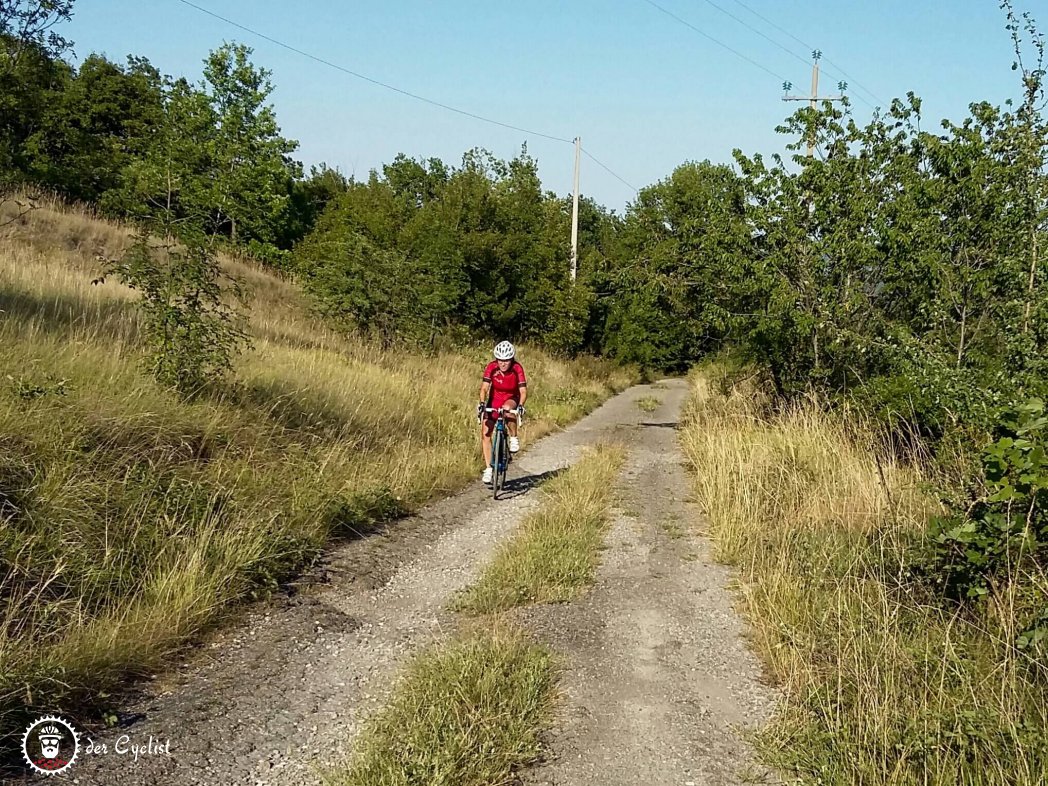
<point x="395" y="89"/>
<point x="718" y="42"/>
<point x="809" y="47"/>
<point x="375" y="81"/>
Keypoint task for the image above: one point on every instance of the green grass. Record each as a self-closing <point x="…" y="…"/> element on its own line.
<point x="554" y="555"/>
<point x="648" y="403"/>
<point x="882" y="683"/>
<point x="465" y="714"/>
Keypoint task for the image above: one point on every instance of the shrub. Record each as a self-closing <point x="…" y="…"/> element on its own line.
<point x="1001" y="529"/>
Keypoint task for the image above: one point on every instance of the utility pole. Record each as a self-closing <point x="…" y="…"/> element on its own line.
<point x="814" y="98"/>
<point x="575" y="213"/>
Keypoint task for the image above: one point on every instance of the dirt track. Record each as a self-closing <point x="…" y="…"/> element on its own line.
<point x="658" y="679"/>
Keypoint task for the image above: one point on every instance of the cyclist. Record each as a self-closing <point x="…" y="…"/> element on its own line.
<point x="504" y="387"/>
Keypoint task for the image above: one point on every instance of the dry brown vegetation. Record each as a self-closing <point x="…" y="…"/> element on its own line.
<point x="883" y="682"/>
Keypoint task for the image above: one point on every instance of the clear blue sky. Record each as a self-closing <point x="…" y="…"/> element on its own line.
<point x="645" y="92"/>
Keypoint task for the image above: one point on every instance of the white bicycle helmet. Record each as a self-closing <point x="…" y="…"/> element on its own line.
<point x="504" y="351"/>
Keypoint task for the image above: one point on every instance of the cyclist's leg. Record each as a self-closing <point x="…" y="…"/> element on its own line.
<point x="486" y="427"/>
<point x="511" y="424"/>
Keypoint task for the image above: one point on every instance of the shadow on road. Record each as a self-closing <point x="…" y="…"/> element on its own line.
<point x="516" y="486"/>
<point x="668" y="424"/>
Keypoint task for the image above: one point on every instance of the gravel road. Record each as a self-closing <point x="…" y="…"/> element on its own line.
<point x="659" y="678"/>
<point x="659" y="684"/>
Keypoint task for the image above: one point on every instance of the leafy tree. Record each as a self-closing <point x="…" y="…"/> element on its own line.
<point x="250" y="164"/>
<point x="308" y="198"/>
<point x="474" y="250"/>
<point x="27" y="30"/>
<point x="30" y="73"/>
<point x="685" y="239"/>
<point x="171" y="181"/>
<point x="103" y="119"/>
<point x="354" y="281"/>
<point x="192" y="330"/>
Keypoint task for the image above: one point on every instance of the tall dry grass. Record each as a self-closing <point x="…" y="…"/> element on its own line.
<point x="883" y="682"/>
<point x="132" y="520"/>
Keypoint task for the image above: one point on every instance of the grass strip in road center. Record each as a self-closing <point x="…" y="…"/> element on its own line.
<point x="466" y="713"/>
<point x="648" y="403"/>
<point x="554" y="555"/>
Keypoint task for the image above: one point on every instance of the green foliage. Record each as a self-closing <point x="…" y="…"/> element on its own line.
<point x="30" y="390"/>
<point x="29" y="81"/>
<point x="426" y="252"/>
<point x="900" y="266"/>
<point x="191" y="331"/>
<point x="177" y="196"/>
<point x="1001" y="530"/>
<point x="249" y="169"/>
<point x="307" y="201"/>
<point x="684" y="242"/>
<point x="31" y="23"/>
<point x="104" y="118"/>
<point x="112" y="135"/>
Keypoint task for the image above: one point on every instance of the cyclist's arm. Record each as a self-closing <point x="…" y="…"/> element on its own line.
<point x="485" y="388"/>
<point x="522" y="385"/>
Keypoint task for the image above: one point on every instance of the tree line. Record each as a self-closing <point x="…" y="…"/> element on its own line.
<point x="131" y="141"/>
<point x="901" y="265"/>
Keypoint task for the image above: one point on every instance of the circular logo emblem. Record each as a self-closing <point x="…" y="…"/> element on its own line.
<point x="50" y="745"/>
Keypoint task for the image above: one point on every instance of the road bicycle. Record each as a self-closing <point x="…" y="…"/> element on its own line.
<point x="500" y="455"/>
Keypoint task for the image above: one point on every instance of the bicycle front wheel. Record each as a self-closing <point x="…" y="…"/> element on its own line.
<point x="496" y="462"/>
<point x="503" y="465"/>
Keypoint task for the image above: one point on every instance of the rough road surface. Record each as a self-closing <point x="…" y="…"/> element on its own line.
<point x="659" y="683"/>
<point x="658" y="675"/>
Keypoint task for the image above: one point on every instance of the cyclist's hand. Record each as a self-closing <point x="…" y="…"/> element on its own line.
<point x="480" y="410"/>
<point x="520" y="413"/>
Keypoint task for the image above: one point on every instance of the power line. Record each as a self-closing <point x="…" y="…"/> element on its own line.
<point x="407" y="93"/>
<point x="747" y="25"/>
<point x="607" y="169"/>
<point x="808" y="46"/>
<point x="785" y="49"/>
<point x="719" y="43"/>
<point x="374" y="81"/>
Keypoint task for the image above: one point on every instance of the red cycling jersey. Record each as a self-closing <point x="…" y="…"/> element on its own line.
<point x="505" y="387"/>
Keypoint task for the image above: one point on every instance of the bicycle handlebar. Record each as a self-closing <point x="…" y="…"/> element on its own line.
<point x="517" y="412"/>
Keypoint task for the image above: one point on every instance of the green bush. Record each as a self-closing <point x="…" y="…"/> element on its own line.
<point x="1001" y="529"/>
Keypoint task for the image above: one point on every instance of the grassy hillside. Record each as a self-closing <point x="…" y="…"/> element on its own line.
<point x="131" y="519"/>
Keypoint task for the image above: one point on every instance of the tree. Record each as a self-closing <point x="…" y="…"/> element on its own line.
<point x="307" y="201"/>
<point x="27" y="29"/>
<point x="30" y="73"/>
<point x="104" y="118"/>
<point x="192" y="331"/>
<point x="251" y="169"/>
<point x="684" y="240"/>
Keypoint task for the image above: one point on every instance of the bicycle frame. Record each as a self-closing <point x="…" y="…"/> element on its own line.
<point x="500" y="455"/>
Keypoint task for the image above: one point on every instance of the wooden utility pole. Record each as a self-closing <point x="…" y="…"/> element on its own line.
<point x="814" y="98"/>
<point x="575" y="213"/>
